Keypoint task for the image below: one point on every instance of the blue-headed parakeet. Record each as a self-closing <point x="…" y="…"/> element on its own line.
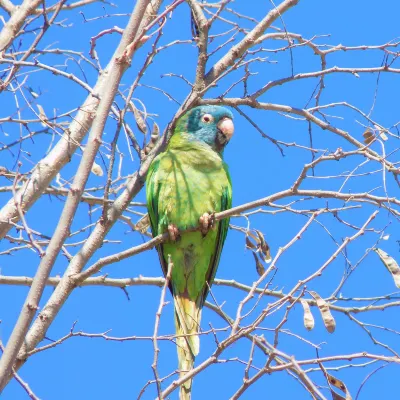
<point x="186" y="184"/>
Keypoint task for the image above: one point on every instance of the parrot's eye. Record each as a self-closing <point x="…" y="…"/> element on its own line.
<point x="207" y="118"/>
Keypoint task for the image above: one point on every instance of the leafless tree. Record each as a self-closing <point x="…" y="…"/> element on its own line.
<point x="347" y="190"/>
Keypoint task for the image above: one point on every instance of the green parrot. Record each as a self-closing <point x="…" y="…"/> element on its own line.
<point x="185" y="185"/>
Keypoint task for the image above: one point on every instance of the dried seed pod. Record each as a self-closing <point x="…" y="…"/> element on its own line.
<point x="140" y="122"/>
<point x="143" y="224"/>
<point x="250" y="244"/>
<point x="97" y="170"/>
<point x="42" y="115"/>
<point x="391" y="265"/>
<point x="327" y="317"/>
<point x="155" y="134"/>
<point x="382" y="133"/>
<point x="264" y="247"/>
<point x="368" y="136"/>
<point x="308" y="317"/>
<point x="33" y="93"/>
<point x="259" y="267"/>
<point x="338" y="384"/>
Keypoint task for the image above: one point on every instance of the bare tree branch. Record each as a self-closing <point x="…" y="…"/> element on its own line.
<point x="63" y="228"/>
<point x="48" y="168"/>
<point x="17" y="19"/>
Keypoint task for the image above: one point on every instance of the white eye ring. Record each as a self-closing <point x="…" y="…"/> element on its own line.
<point x="207" y="118"/>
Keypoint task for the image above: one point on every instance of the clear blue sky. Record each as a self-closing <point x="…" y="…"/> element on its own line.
<point x="83" y="368"/>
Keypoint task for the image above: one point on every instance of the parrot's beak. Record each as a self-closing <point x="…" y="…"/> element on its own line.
<point x="226" y="127"/>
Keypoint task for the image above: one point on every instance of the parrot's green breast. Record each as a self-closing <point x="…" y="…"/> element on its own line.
<point x="186" y="181"/>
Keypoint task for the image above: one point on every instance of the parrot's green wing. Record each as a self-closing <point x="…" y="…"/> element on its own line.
<point x="226" y="204"/>
<point x="152" y="193"/>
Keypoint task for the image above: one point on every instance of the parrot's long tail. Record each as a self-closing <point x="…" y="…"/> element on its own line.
<point x="187" y="323"/>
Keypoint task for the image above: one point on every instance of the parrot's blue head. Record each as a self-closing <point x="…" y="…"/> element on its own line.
<point x="210" y="124"/>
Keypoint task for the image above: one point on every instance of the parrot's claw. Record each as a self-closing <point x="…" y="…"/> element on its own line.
<point x="206" y="222"/>
<point x="173" y="232"/>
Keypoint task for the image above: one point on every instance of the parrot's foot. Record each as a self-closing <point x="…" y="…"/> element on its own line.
<point x="206" y="222"/>
<point x="173" y="232"/>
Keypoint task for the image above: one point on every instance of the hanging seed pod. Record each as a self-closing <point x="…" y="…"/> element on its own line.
<point x="327" y="317"/>
<point x="140" y="122"/>
<point x="391" y="265"/>
<point x="336" y="383"/>
<point x="97" y="170"/>
<point x="143" y="224"/>
<point x="249" y="244"/>
<point x="382" y="133"/>
<point x="42" y="115"/>
<point x="264" y="247"/>
<point x="33" y="93"/>
<point x="308" y="317"/>
<point x="368" y="136"/>
<point x="155" y="134"/>
<point x="259" y="267"/>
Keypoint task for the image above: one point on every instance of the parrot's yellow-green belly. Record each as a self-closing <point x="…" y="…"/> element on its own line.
<point x="190" y="189"/>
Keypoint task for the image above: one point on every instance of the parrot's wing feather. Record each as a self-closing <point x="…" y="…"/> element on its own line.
<point x="226" y="204"/>
<point x="152" y="193"/>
